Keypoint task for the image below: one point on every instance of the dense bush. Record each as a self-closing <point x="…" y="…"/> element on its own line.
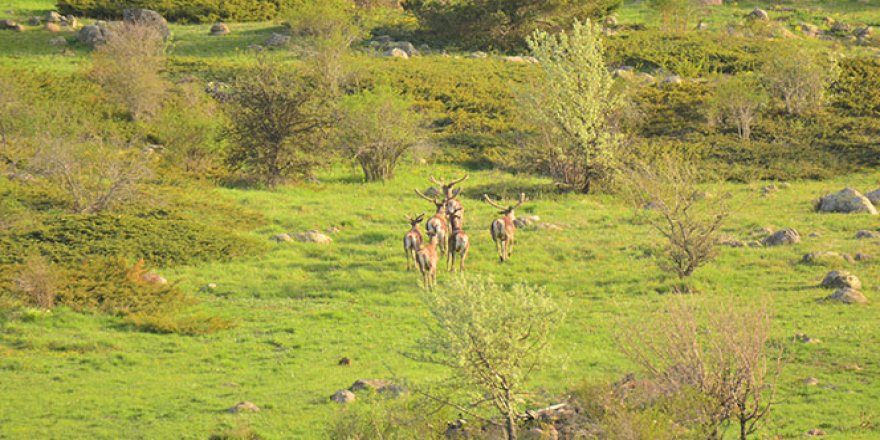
<point x="203" y="11"/>
<point x="857" y="89"/>
<point x="686" y="54"/>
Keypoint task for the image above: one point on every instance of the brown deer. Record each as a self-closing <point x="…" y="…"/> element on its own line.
<point x="449" y="194"/>
<point x="437" y="224"/>
<point x="412" y="241"/>
<point x="427" y="259"/>
<point x="504" y="228"/>
<point x="459" y="242"/>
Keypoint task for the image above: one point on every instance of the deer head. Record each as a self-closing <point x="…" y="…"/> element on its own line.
<point x="414" y="221"/>
<point x="447" y="187"/>
<point x="455" y="218"/>
<point x="439" y="204"/>
<point x="505" y="210"/>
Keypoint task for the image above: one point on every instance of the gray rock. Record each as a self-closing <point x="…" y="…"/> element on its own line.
<point x="809" y="30"/>
<point x="815" y="432"/>
<point x="874" y="196"/>
<point x="313" y="237"/>
<point x="847" y="201"/>
<point x="147" y="17"/>
<point x="405" y="46"/>
<point x="209" y="288"/>
<point x="848" y="295"/>
<point x="277" y="40"/>
<point x="52" y="27"/>
<point x="478" y="54"/>
<point x="93" y="35"/>
<point x="731" y="241"/>
<point x="282" y="238"/>
<point x="863" y="257"/>
<point x="526" y="221"/>
<point x="380" y="386"/>
<point x="343" y="397"/>
<point x="8" y="24"/>
<point x="702" y="26"/>
<point x="58" y="41"/>
<point x="811" y="381"/>
<point x="826" y="257"/>
<point x="759" y="14"/>
<point x="35" y="21"/>
<point x="673" y="79"/>
<point x="841" y="278"/>
<point x="153" y="278"/>
<point x="53" y="17"/>
<point x="865" y="32"/>
<point x="70" y="21"/>
<point x="867" y="234"/>
<point x="219" y="29"/>
<point x="782" y="237"/>
<point x="243" y="407"/>
<point x="396" y="53"/>
<point x="383" y="39"/>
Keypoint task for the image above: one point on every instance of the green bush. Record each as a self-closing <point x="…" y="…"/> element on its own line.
<point x="686" y="54"/>
<point x="857" y="89"/>
<point x="199" y="11"/>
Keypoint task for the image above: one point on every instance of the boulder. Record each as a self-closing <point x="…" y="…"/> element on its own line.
<point x="395" y="53"/>
<point x="729" y="240"/>
<point x="759" y="14"/>
<point x="478" y="54"/>
<point x="381" y="386"/>
<point x="874" y="197"/>
<point x="815" y="432"/>
<point x="53" y="17"/>
<point x="811" y="381"/>
<point x="343" y="397"/>
<point x="383" y="39"/>
<point x="808" y="29"/>
<point x="848" y="295"/>
<point x="8" y="24"/>
<point x="702" y="26"/>
<point x="242" y="407"/>
<point x="313" y="237"/>
<point x="208" y="288"/>
<point x="514" y="59"/>
<point x="840" y="27"/>
<point x="147" y="17"/>
<point x="672" y="79"/>
<point x="282" y="238"/>
<point x="17" y="28"/>
<point x="220" y="29"/>
<point x="70" y="21"/>
<point x="826" y="258"/>
<point x="93" y="35"/>
<point x="864" y="32"/>
<point x="153" y="278"/>
<point x="405" y="46"/>
<point x="345" y="362"/>
<point x="52" y="27"/>
<point x="35" y="21"/>
<point x="863" y="257"/>
<point x="782" y="237"/>
<point x="58" y="41"/>
<point x="526" y="221"/>
<point x="841" y="278"/>
<point x="277" y="40"/>
<point x="847" y="201"/>
<point x="867" y="234"/>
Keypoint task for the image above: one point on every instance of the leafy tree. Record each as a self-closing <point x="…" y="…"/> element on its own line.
<point x="573" y="106"/>
<point x="502" y="24"/>
<point x="278" y="123"/>
<point x="737" y="101"/>
<point x="798" y="78"/>
<point x="375" y="128"/>
<point x="492" y="337"/>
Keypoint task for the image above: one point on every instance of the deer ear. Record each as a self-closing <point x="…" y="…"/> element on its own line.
<point x="456" y="192"/>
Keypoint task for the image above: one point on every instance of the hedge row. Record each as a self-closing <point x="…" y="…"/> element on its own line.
<point x="197" y="11"/>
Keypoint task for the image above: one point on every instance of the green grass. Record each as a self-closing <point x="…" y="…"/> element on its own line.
<point x="301" y="307"/>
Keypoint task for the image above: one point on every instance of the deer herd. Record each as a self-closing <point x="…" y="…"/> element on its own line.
<point x="445" y="231"/>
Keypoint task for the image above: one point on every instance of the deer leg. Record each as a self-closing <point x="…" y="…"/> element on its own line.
<point x="461" y="261"/>
<point x="510" y="248"/>
<point x="498" y="248"/>
<point x="408" y="258"/>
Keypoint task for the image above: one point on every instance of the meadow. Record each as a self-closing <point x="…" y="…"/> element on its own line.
<point x="298" y="308"/>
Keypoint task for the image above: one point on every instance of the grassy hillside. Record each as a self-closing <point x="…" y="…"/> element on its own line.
<point x="297" y="308"/>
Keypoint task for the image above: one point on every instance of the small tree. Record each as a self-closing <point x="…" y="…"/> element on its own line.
<point x="375" y="128"/>
<point x="737" y="101"/>
<point x="676" y="14"/>
<point x="573" y="107"/>
<point x="687" y="218"/>
<point x="493" y="338"/>
<point x="37" y="282"/>
<point x="128" y="67"/>
<point x="278" y="123"/>
<point x="799" y="79"/>
<point x="729" y="359"/>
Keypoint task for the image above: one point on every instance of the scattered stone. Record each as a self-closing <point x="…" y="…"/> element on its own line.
<point x="815" y="432"/>
<point x="840" y="27"/>
<point x="153" y="278"/>
<point x="759" y="14"/>
<point x="547" y="432"/>
<point x="147" y="17"/>
<point x="53" y="17"/>
<point x="846" y="200"/>
<point x="35" y="21"/>
<point x="804" y="339"/>
<point x="622" y="73"/>
<point x="52" y="27"/>
<point x="809" y="30"/>
<point x="826" y="257"/>
<point x="611" y="21"/>
<point x="811" y="381"/>
<point x="345" y="362"/>
<point x="58" y="41"/>
<point x="532" y="60"/>
<point x="874" y="196"/>
<point x="863" y="257"/>
<point x="405" y="46"/>
<point x="93" y="35"/>
<point x="646" y="77"/>
<point x="243" y="407"/>
<point x="396" y="53"/>
<point x="209" y="288"/>
<point x="864" y="233"/>
<point x="828" y="21"/>
<point x="769" y="189"/>
<point x="729" y="240"/>
<point x="383" y="39"/>
<point x="70" y="21"/>
<point x="478" y="54"/>
<point x="343" y="397"/>
<point x="847" y="295"/>
<point x="782" y="237"/>
<point x="332" y="230"/>
<point x="841" y="278"/>
<point x="255" y="47"/>
<point x="380" y="386"/>
<point x="8" y="24"/>
<point x="702" y="26"/>
<point x="313" y="237"/>
<point x="220" y="29"/>
<point x="549" y="227"/>
<point x="277" y="40"/>
<point x="282" y="238"/>
<point x="672" y="79"/>
<point x="865" y="32"/>
<point x="526" y="221"/>
<point x="814" y="234"/>
<point x="515" y="59"/>
<point x="766" y="230"/>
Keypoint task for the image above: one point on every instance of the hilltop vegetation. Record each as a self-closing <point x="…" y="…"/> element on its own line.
<point x="212" y="218"/>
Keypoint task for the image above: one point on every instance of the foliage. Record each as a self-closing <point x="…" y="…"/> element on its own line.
<point x="798" y="78"/>
<point x="502" y="24"/>
<point x="676" y="14"/>
<point x="857" y="89"/>
<point x="278" y="121"/>
<point x="688" y="219"/>
<point x="492" y="338"/>
<point x="128" y="67"/>
<point x="737" y="101"/>
<point x="376" y="128"/>
<point x="378" y="418"/>
<point x="573" y="106"/>
<point x="37" y="282"/>
<point x="687" y="54"/>
<point x="200" y="11"/>
<point x="189" y="324"/>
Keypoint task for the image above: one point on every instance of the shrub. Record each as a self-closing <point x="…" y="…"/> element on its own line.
<point x="501" y="24"/>
<point x="128" y="68"/>
<point x="375" y="128"/>
<point x="278" y="122"/>
<point x="686" y="54"/>
<point x="798" y="78"/>
<point x="202" y="11"/>
<point x="573" y="106"/>
<point x="676" y="14"/>
<point x="37" y="282"/>
<point x="737" y="101"/>
<point x="857" y="89"/>
<point x="191" y="324"/>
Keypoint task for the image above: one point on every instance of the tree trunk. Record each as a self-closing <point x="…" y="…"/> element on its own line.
<point x="511" y="425"/>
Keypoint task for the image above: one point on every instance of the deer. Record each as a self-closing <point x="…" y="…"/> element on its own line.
<point x="412" y="241"/>
<point x="459" y="242"/>
<point x="437" y="225"/>
<point x="504" y="228"/>
<point x="427" y="259"/>
<point x="449" y="194"/>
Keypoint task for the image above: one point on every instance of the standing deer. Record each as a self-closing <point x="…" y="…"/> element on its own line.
<point x="412" y="241"/>
<point x="427" y="259"/>
<point x="449" y="194"/>
<point x="459" y="242"/>
<point x="437" y="224"/>
<point x="504" y="228"/>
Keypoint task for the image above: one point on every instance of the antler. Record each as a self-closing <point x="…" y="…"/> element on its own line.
<point x="455" y="193"/>
<point x="457" y="181"/>
<point x="420" y="217"/>
<point x="437" y="182"/>
<point x="522" y="199"/>
<point x="489" y="201"/>
<point x="430" y="199"/>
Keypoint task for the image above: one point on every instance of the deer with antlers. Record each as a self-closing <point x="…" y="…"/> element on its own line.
<point x="459" y="242"/>
<point x="437" y="225"/>
<point x="449" y="195"/>
<point x="412" y="241"/>
<point x="504" y="228"/>
<point x="427" y="259"/>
